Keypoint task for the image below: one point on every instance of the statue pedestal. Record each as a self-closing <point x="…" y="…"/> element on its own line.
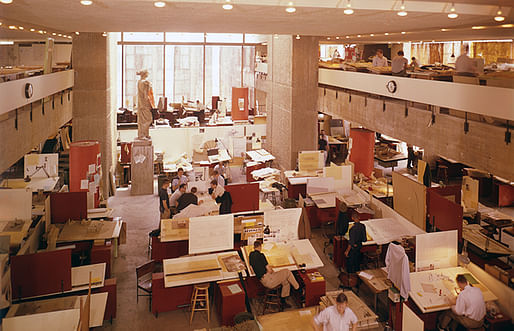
<point x="142" y="167"/>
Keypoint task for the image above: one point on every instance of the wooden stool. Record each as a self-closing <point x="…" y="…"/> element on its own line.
<point x="200" y="295"/>
<point x="442" y="173"/>
<point x="272" y="298"/>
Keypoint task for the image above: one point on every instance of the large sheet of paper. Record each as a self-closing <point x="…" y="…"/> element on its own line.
<point x="211" y="233"/>
<point x="409" y="199"/>
<point x="411" y="321"/>
<point x="343" y="174"/>
<point x="310" y="160"/>
<point x="320" y="185"/>
<point x="470" y="193"/>
<point x="386" y="230"/>
<point x="353" y="198"/>
<point x="324" y="200"/>
<point x="15" y="204"/>
<point x="285" y="220"/>
<point x="436" y="250"/>
<point x="48" y="162"/>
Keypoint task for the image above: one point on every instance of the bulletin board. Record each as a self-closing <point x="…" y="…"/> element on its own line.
<point x="310" y="160"/>
<point x="285" y="220"/>
<point x="409" y="199"/>
<point x="48" y="162"/>
<point x="239" y="103"/>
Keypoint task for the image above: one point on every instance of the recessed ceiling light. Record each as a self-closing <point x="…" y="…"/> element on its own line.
<point x="453" y="12"/>
<point x="32" y="30"/>
<point x="297" y="36"/>
<point x="6" y="1"/>
<point x="54" y="34"/>
<point x="371" y="35"/>
<point x="290" y="8"/>
<point x="59" y="35"/>
<point x="337" y="37"/>
<point x="44" y="31"/>
<point x="69" y="37"/>
<point x="12" y="27"/>
<point x="507" y="25"/>
<point x="275" y="36"/>
<point x="387" y="33"/>
<point x="40" y="31"/>
<point x="77" y="33"/>
<point x="227" y="5"/>
<point x="328" y="38"/>
<point x="347" y="37"/>
<point x="348" y="10"/>
<point x="402" y="11"/>
<point x="21" y="28"/>
<point x="86" y="2"/>
<point x="159" y="4"/>
<point x="0" y="23"/>
<point x="499" y="15"/>
<point x="358" y="36"/>
<point x="104" y="34"/>
<point x="433" y="41"/>
<point x="444" y="30"/>
<point x="403" y="32"/>
<point x="478" y="27"/>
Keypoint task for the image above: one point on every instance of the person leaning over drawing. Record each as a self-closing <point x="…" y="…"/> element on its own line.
<point x="336" y="318"/>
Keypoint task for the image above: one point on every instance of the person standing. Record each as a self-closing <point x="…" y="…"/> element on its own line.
<point x="468" y="309"/>
<point x="353" y="253"/>
<point x="164" y="202"/>
<point x="411" y="157"/>
<point x="464" y="65"/>
<point x="323" y="145"/>
<point x="221" y="168"/>
<point x="270" y="278"/>
<point x="336" y="318"/>
<point x="221" y="196"/>
<point x="186" y="199"/>
<point x="399" y="65"/>
<point x="176" y="195"/>
<point x="379" y="60"/>
<point x="179" y="180"/>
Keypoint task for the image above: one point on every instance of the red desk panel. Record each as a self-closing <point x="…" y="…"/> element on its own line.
<point x="245" y="197"/>
<point x="314" y="290"/>
<point x="168" y="250"/>
<point x="68" y="205"/>
<point x="168" y="298"/>
<point x="228" y="304"/>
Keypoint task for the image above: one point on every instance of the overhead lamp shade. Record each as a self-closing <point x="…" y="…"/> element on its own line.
<point x="499" y="16"/>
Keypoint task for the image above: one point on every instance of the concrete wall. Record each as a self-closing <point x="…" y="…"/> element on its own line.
<point x="483" y="147"/>
<point x="15" y="143"/>
<point x="94" y="117"/>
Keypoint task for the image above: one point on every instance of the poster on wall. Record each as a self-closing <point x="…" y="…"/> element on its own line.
<point x="241" y="104"/>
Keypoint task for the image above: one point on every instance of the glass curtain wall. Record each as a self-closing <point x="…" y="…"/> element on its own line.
<point x="222" y="72"/>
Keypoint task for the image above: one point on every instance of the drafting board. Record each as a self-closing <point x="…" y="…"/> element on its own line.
<point x="320" y="185"/>
<point x="436" y="250"/>
<point x="409" y="199"/>
<point x="80" y="276"/>
<point x="470" y="193"/>
<point x="286" y="220"/>
<point x="211" y="233"/>
<point x="50" y="163"/>
<point x="310" y="160"/>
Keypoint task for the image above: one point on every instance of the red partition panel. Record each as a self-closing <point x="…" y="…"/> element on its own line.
<point x="363" y="150"/>
<point x="68" y="205"/>
<point x="239" y="113"/>
<point x="84" y="165"/>
<point x="229" y="304"/>
<point x="245" y="197"/>
<point x="168" y="298"/>
<point x="447" y="191"/>
<point x="41" y="273"/>
<point x="443" y="213"/>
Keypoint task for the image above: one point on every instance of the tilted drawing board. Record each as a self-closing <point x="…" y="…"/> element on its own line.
<point x="436" y="250"/>
<point x="310" y="160"/>
<point x="287" y="220"/>
<point x="211" y="233"/>
<point x="15" y="204"/>
<point x="409" y="199"/>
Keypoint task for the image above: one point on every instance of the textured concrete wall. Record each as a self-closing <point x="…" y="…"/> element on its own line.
<point x="93" y="116"/>
<point x="15" y="143"/>
<point x="291" y="99"/>
<point x="483" y="147"/>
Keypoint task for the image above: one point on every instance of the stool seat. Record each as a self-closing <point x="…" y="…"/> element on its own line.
<point x="204" y="286"/>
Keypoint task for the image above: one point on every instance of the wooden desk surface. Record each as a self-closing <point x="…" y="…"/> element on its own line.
<point x="292" y="320"/>
<point x="378" y="283"/>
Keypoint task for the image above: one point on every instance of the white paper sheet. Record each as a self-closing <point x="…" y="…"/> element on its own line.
<point x="285" y="220"/>
<point x="436" y="250"/>
<point x="84" y="184"/>
<point x="211" y="233"/>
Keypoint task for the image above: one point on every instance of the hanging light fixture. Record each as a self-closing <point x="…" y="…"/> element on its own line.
<point x="453" y="12"/>
<point x="402" y="11"/>
<point x="159" y="4"/>
<point x="227" y="5"/>
<point x="290" y="8"/>
<point x="86" y="2"/>
<point x="297" y="36"/>
<point x="348" y="10"/>
<point x="499" y="15"/>
<point x="6" y="1"/>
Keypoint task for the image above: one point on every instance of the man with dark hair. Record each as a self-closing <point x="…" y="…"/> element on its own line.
<point x="379" y="60"/>
<point x="164" y="202"/>
<point x="336" y="318"/>
<point x="219" y="179"/>
<point x="357" y="236"/>
<point x="399" y="65"/>
<point x="221" y="196"/>
<point x="176" y="195"/>
<point x="186" y="199"/>
<point x="180" y="179"/>
<point x="268" y="277"/>
<point x="468" y="308"/>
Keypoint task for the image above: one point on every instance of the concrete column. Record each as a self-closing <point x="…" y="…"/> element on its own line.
<point x="292" y="117"/>
<point x="94" y="108"/>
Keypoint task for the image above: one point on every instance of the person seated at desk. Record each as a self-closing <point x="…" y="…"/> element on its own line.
<point x="221" y="168"/>
<point x="379" y="60"/>
<point x="180" y="179"/>
<point x="336" y="318"/>
<point x="186" y="199"/>
<point x="468" y="309"/>
<point x="221" y="196"/>
<point x="176" y="195"/>
<point x="218" y="178"/>
<point x="269" y="278"/>
<point x="414" y="63"/>
<point x="464" y="65"/>
<point x="399" y="65"/>
<point x="357" y="236"/>
<point x="164" y="202"/>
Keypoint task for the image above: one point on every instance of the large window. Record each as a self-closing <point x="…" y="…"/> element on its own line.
<point x="188" y="66"/>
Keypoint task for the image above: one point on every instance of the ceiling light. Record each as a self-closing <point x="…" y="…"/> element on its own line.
<point x="32" y="30"/>
<point x="348" y="10"/>
<point x="0" y="23"/>
<point x="444" y="30"/>
<point x="77" y="33"/>
<point x="44" y="31"/>
<point x="69" y="37"/>
<point x="6" y="1"/>
<point x="507" y="25"/>
<point x="40" y="31"/>
<point x="433" y="41"/>
<point x="159" y="4"/>
<point x="453" y="12"/>
<point x="21" y="28"/>
<point x="6" y="42"/>
<point x="290" y="9"/>
<point x="297" y="36"/>
<point x="59" y="35"/>
<point x="347" y="37"/>
<point x="275" y="36"/>
<point x="328" y="38"/>
<point x="104" y="34"/>
<point x="478" y="27"/>
<point x="12" y="27"/>
<point x="358" y="36"/>
<point x="86" y="2"/>
<point x="387" y="33"/>
<point x="337" y="37"/>
<point x="499" y="15"/>
<point x="54" y="34"/>
<point x="371" y="35"/>
<point x="403" y="32"/>
<point x="402" y="11"/>
<point x="227" y="5"/>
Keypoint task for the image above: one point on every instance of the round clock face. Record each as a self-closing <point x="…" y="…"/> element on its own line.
<point x="391" y="86"/>
<point x="29" y="90"/>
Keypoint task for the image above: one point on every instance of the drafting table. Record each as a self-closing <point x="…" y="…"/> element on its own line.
<point x="190" y="270"/>
<point x="260" y="156"/>
<point x="472" y="234"/>
<point x="89" y="230"/>
<point x="386" y="230"/>
<point x="286" y="255"/>
<point x="99" y="213"/>
<point x="324" y="200"/>
<point x="430" y="288"/>
<point x="378" y="282"/>
<point x="366" y="318"/>
<point x="35" y="184"/>
<point x="15" y="229"/>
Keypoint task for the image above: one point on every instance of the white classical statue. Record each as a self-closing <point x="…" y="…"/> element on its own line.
<point x="145" y="103"/>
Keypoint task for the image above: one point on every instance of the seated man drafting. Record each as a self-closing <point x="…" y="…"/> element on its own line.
<point x="468" y="309"/>
<point x="269" y="278"/>
<point x="336" y="318"/>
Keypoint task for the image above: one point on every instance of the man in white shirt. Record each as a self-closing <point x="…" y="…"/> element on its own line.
<point x="464" y="65"/>
<point x="468" y="309"/>
<point x="216" y="176"/>
<point x="399" y="65"/>
<point x="222" y="169"/>
<point x="336" y="318"/>
<point x="177" y="194"/>
<point x="380" y="60"/>
<point x="180" y="179"/>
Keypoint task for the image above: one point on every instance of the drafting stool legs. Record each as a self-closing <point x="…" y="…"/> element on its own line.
<point x="200" y="295"/>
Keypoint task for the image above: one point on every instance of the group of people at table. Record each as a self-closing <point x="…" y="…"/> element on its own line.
<point x="173" y="195"/>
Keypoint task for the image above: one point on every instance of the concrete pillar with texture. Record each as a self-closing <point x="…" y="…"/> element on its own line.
<point x="94" y="108"/>
<point x="292" y="117"/>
